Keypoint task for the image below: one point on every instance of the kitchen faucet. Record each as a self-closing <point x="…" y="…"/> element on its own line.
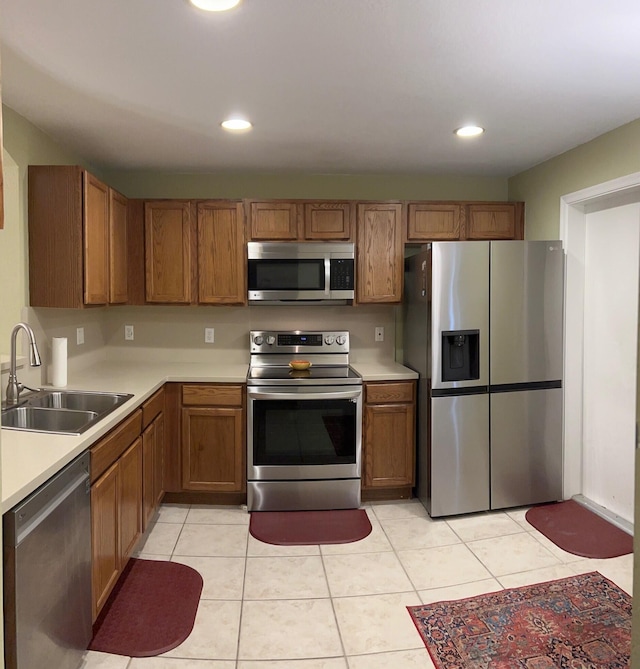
<point x="14" y="388"/>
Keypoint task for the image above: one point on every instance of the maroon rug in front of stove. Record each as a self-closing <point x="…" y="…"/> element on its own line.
<point x="578" y="530"/>
<point x="304" y="528"/>
<point x="151" y="610"/>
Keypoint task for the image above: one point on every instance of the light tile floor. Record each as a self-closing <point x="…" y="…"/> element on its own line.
<point x="341" y="606"/>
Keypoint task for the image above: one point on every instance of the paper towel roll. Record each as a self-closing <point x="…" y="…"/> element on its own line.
<point x="59" y="362"/>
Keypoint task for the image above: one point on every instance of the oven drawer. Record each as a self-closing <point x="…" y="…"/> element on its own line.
<point x="212" y="395"/>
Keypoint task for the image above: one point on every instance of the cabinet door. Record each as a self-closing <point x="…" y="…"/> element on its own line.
<point x="168" y="251"/>
<point x="221" y="254"/>
<point x="105" y="553"/>
<point x="130" y="499"/>
<point x="273" y="220"/>
<point x="494" y="221"/>
<point x="379" y="253"/>
<point x="96" y="241"/>
<point x="148" y="474"/>
<point x="213" y="449"/>
<point x="118" y="267"/>
<point x="433" y="221"/>
<point x="389" y="445"/>
<point x="158" y="461"/>
<point x="328" y="220"/>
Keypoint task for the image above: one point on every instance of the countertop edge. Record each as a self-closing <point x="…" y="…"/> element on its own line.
<point x="31" y="459"/>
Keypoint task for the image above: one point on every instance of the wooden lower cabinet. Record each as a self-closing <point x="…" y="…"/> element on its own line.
<point x="213" y="438"/>
<point x="116" y="521"/>
<point x="153" y="445"/>
<point x="389" y="435"/>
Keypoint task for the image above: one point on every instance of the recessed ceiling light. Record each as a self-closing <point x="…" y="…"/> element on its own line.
<point x="215" y="5"/>
<point x="236" y="124"/>
<point x="469" y="131"/>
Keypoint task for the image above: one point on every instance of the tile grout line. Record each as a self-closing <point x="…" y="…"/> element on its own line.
<point x="244" y="581"/>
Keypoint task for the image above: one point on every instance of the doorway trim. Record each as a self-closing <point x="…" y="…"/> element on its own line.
<point x="574" y="208"/>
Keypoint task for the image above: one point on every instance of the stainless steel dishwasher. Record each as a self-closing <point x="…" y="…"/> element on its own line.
<point x="47" y="573"/>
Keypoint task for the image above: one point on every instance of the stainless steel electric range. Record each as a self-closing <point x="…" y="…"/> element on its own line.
<point x="304" y="427"/>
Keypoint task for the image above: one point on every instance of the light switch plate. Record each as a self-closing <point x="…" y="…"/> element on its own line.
<point x="209" y="337"/>
<point x="379" y="336"/>
<point x="79" y="336"/>
<point x="128" y="332"/>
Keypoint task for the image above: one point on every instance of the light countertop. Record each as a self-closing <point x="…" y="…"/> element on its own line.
<point x="29" y="459"/>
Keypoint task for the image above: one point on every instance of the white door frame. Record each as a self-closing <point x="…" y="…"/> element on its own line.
<point x="574" y="208"/>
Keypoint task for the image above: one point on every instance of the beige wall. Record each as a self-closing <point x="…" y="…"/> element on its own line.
<point x="614" y="154"/>
<point x="24" y="144"/>
<point x="340" y="186"/>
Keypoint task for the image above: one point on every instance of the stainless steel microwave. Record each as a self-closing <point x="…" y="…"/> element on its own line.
<point x="309" y="272"/>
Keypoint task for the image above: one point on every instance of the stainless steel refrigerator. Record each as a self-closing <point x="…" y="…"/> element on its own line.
<point x="483" y="327"/>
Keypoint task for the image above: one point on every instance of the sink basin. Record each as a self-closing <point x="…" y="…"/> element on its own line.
<point x="79" y="401"/>
<point x="39" y="419"/>
<point x="61" y="411"/>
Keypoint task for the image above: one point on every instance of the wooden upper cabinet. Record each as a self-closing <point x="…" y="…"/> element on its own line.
<point x="380" y="263"/>
<point x="328" y="220"/>
<point x="495" y="221"/>
<point x="221" y="253"/>
<point x="69" y="237"/>
<point x="96" y="241"/>
<point x="433" y="221"/>
<point x="118" y="265"/>
<point x="273" y="221"/>
<point x="300" y="220"/>
<point x="168" y="252"/>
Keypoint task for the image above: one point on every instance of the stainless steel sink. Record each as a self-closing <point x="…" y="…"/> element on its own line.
<point x="79" y="401"/>
<point x="61" y="411"/>
<point x="39" y="419"/>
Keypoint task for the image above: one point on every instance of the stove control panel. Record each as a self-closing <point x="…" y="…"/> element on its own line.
<point x="299" y="341"/>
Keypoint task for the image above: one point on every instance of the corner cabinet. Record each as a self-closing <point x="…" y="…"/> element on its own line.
<point x="379" y="249"/>
<point x="389" y="439"/>
<point x="213" y="437"/>
<point x="77" y="239"/>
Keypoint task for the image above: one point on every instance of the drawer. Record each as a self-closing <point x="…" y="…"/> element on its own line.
<point x="212" y="395"/>
<point x="385" y="393"/>
<point x="152" y="407"/>
<point x="111" y="447"/>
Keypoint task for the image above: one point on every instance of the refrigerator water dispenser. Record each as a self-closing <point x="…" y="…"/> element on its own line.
<point x="460" y="355"/>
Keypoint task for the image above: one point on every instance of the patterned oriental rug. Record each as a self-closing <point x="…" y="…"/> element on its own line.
<point x="581" y="622"/>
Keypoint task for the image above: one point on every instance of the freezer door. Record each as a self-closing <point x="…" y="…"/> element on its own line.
<point x="526" y="311"/>
<point x="459" y="463"/>
<point x="460" y="301"/>
<point x="526" y="447"/>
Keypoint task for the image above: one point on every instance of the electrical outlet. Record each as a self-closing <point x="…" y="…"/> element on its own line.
<point x="209" y="336"/>
<point x="379" y="336"/>
<point x="128" y="332"/>
<point x="79" y="336"/>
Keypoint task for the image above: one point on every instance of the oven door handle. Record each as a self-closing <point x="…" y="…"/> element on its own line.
<point x="315" y="395"/>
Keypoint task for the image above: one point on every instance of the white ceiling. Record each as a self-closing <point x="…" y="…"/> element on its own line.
<point x="332" y="86"/>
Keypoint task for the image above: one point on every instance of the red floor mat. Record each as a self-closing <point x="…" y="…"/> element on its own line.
<point x="304" y="528"/>
<point x="150" y="611"/>
<point x="578" y="530"/>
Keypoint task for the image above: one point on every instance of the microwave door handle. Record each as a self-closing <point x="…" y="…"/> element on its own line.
<point x="314" y="395"/>
<point x="327" y="275"/>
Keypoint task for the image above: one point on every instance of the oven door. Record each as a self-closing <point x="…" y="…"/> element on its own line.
<point x="304" y="433"/>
